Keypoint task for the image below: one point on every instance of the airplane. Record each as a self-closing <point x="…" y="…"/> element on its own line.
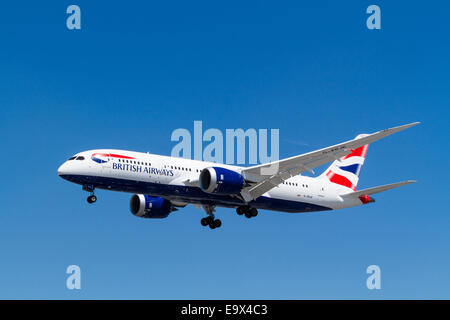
<point x="162" y="184"/>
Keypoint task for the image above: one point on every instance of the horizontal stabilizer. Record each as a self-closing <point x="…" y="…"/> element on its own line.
<point x="378" y="189"/>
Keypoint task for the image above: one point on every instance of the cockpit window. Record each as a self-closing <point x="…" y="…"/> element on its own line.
<point x="80" y="158"/>
<point x="71" y="158"/>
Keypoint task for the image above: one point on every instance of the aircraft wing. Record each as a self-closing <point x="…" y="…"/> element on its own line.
<point x="269" y="175"/>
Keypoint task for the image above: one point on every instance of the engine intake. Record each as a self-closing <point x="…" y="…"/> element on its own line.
<point x="221" y="181"/>
<point x="150" y="207"/>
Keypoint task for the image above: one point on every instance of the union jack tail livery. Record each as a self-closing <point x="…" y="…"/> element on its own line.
<point x="345" y="171"/>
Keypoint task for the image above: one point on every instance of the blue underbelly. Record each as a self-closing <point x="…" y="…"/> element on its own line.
<point x="191" y="194"/>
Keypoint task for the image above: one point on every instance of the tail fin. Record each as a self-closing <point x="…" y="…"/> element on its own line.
<point x="345" y="171"/>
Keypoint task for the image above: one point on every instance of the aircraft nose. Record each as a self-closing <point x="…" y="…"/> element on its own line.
<point x="62" y="170"/>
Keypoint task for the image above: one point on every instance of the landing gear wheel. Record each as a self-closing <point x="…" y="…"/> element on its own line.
<point x="91" y="199"/>
<point x="240" y="211"/>
<point x="204" y="222"/>
<point x="253" y="212"/>
<point x="248" y="215"/>
<point x="209" y="220"/>
<point x="217" y="223"/>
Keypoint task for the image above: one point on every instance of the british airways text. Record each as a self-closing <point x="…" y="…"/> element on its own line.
<point x="137" y="168"/>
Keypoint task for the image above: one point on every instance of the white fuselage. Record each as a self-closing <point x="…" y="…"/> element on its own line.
<point x="176" y="179"/>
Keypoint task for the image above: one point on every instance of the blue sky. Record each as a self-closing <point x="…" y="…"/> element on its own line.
<point x="135" y="72"/>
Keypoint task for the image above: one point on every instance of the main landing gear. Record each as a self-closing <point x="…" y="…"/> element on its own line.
<point x="211" y="222"/>
<point x="92" y="198"/>
<point x="247" y="211"/>
<point x="210" y="219"/>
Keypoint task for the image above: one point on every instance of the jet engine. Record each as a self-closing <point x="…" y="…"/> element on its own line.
<point x="221" y="181"/>
<point x="150" y="207"/>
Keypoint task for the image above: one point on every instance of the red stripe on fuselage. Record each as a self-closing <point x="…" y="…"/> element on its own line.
<point x="112" y="155"/>
<point x="120" y="156"/>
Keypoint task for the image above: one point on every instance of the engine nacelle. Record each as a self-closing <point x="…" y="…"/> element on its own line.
<point x="150" y="207"/>
<point x="221" y="181"/>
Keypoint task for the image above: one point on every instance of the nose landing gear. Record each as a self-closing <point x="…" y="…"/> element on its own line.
<point x="90" y="188"/>
<point x="92" y="198"/>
